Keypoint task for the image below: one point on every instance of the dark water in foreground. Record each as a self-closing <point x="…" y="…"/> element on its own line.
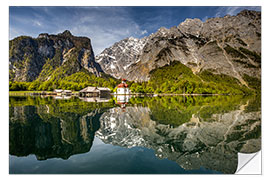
<point x="160" y="135"/>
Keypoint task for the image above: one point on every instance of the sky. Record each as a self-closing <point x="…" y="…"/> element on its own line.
<point x="107" y="25"/>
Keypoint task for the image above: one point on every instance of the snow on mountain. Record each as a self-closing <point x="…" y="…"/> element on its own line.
<point x="119" y="57"/>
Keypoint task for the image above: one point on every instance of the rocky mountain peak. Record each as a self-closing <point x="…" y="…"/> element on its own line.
<point x="132" y="38"/>
<point x="191" y="26"/>
<point x="162" y="31"/>
<point x="117" y="59"/>
<point x="66" y="33"/>
<point x="227" y="45"/>
<point x="250" y="14"/>
<point x="190" y="21"/>
<point x="30" y="57"/>
<point x="43" y="35"/>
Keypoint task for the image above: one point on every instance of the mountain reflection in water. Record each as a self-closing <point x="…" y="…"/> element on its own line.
<point x="195" y="132"/>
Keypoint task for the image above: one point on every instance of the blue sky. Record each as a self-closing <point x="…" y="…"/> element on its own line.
<point x="107" y="25"/>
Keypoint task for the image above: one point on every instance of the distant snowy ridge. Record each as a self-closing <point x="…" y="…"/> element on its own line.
<point x="119" y="57"/>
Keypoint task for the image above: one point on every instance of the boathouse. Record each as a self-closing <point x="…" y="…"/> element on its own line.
<point x="95" y="92"/>
<point x="104" y="91"/>
<point x="61" y="92"/>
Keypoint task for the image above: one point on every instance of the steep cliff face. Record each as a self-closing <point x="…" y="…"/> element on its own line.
<point x="230" y="45"/>
<point x="32" y="58"/>
<point x="117" y="59"/>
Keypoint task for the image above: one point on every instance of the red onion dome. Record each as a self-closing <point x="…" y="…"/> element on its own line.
<point x="121" y="85"/>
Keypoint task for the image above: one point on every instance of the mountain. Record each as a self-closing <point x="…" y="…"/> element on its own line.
<point x="117" y="59"/>
<point x="218" y="56"/>
<point x="230" y="46"/>
<point x="50" y="56"/>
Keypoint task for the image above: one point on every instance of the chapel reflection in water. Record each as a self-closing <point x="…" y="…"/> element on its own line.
<point x="194" y="132"/>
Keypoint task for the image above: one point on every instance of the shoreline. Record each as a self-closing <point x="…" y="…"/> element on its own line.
<point x="75" y="93"/>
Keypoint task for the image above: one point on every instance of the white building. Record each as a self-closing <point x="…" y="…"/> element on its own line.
<point x="122" y="88"/>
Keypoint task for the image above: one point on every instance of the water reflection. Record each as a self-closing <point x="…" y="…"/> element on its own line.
<point x="122" y="100"/>
<point x="94" y="99"/>
<point x="194" y="132"/>
<point x="49" y="136"/>
<point x="61" y="97"/>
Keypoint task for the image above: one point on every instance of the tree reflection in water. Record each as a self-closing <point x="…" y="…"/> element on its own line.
<point x="194" y="132"/>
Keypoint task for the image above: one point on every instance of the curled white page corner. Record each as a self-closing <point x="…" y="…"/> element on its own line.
<point x="249" y="163"/>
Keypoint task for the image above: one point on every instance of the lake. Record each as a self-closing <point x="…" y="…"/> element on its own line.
<point x="132" y="135"/>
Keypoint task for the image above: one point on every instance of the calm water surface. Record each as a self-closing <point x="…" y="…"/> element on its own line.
<point x="123" y="135"/>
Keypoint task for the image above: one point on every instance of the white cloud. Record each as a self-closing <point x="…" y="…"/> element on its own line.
<point x="103" y="25"/>
<point x="205" y="18"/>
<point x="104" y="28"/>
<point x="144" y="32"/>
<point x="37" y="23"/>
<point x="227" y="11"/>
<point x="233" y="10"/>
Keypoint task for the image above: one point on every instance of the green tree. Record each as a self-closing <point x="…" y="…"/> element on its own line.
<point x="139" y="89"/>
